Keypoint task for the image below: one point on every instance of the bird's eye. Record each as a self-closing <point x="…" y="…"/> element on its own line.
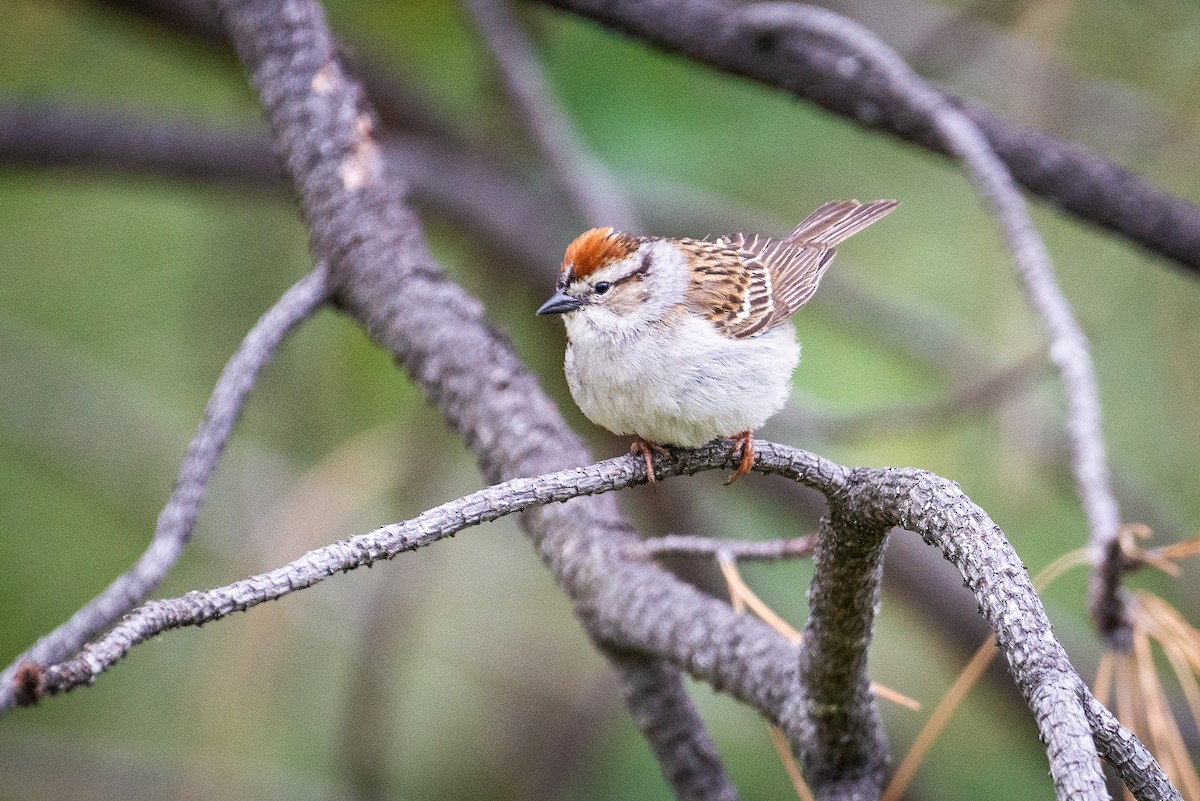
<point x="602" y="287"/>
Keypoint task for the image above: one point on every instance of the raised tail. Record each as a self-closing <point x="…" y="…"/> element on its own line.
<point x="837" y="221"/>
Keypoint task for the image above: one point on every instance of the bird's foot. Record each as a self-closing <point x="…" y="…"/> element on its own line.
<point x="647" y="449"/>
<point x="745" y="443"/>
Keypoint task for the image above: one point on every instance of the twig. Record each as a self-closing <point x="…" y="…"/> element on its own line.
<point x="586" y="181"/>
<point x="362" y="550"/>
<point x="765" y="551"/>
<point x="178" y="517"/>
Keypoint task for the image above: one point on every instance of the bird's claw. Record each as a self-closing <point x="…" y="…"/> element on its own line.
<point x="744" y="442"/>
<point x="647" y="449"/>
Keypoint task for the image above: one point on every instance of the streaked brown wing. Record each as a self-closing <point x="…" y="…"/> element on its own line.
<point x="736" y="281"/>
<point x="746" y="285"/>
<point x="729" y="286"/>
<point x="796" y="263"/>
<point x="786" y="273"/>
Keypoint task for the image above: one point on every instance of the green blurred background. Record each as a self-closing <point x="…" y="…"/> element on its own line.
<point x="459" y="672"/>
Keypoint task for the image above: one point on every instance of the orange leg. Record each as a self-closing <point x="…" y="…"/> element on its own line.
<point x="647" y="449"/>
<point x="745" y="442"/>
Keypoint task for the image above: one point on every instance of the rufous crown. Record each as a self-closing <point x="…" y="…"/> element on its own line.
<point x="594" y="249"/>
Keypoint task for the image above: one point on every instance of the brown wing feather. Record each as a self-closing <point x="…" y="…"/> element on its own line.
<point x="726" y="289"/>
<point x="750" y="284"/>
<point x="746" y="285"/>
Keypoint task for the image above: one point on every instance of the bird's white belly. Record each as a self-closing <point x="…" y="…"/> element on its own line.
<point x="680" y="386"/>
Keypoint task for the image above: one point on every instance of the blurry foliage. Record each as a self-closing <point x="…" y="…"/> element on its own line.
<point x="123" y="296"/>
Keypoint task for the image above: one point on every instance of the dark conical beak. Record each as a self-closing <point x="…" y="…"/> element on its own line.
<point x="560" y="303"/>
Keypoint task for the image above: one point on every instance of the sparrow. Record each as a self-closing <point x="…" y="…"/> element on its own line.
<point x="681" y="341"/>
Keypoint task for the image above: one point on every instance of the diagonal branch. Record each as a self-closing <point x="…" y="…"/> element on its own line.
<point x="586" y="181"/>
<point x="178" y="517"/>
<point x="665" y="715"/>
<point x="386" y="280"/>
<point x="1132" y="761"/>
<point x="721" y="33"/>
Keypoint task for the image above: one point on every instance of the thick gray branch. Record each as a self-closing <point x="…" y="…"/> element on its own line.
<point x="387" y="281"/>
<point x="849" y="751"/>
<point x="663" y="712"/>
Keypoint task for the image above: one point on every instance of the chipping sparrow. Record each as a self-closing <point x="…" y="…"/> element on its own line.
<point x="680" y="341"/>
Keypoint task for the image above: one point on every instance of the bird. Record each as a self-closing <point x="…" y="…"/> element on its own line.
<point x="679" y="342"/>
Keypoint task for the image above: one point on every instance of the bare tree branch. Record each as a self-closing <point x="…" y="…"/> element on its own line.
<point x="850" y="752"/>
<point x="178" y="517"/>
<point x="1132" y="761"/>
<point x="665" y="715"/>
<point x="386" y="542"/>
<point x="720" y="33"/>
<point x="645" y="611"/>
<point x="587" y="182"/>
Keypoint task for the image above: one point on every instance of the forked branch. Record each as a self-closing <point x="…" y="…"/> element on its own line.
<point x="642" y="612"/>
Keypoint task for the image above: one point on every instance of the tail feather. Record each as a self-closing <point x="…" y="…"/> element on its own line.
<point x="837" y="221"/>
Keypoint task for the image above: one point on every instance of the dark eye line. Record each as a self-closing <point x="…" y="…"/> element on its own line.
<point x="602" y="287"/>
